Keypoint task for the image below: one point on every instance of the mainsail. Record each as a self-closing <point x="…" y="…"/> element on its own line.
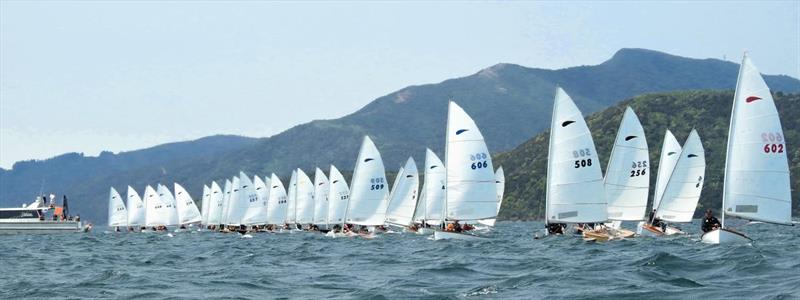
<point x="136" y="208"/>
<point x="575" y="192"/>
<point x="627" y="180"/>
<point x="685" y="184"/>
<point x="276" y="207"/>
<point x="117" y="214"/>
<point x="403" y="201"/>
<point x="471" y="192"/>
<point x="215" y="204"/>
<point x="756" y="185"/>
<point x="321" y="187"/>
<point x="338" y="196"/>
<point x="304" y="198"/>
<point x="187" y="209"/>
<point x="670" y="152"/>
<point x="369" y="190"/>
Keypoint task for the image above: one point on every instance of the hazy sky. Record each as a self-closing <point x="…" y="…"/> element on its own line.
<point x="123" y="75"/>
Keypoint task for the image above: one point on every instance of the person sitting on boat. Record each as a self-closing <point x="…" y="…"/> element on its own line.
<point x="710" y="222"/>
<point x="555" y="228"/>
<point x="467" y="227"/>
<point x="450" y="227"/>
<point x="413" y="228"/>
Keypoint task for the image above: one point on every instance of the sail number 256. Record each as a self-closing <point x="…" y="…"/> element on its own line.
<point x="773" y="142"/>
<point x="639" y="168"/>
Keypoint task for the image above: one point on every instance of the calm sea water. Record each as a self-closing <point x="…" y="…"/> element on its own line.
<point x="398" y="266"/>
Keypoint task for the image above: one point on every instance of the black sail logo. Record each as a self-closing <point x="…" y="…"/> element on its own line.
<point x="630" y="137"/>
<point x="567" y="123"/>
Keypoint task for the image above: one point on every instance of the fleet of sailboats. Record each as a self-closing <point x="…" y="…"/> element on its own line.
<point x="466" y="190"/>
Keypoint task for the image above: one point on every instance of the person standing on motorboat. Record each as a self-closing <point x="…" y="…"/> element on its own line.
<point x="710" y="222"/>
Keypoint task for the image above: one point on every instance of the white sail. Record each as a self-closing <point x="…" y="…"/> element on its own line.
<point x="575" y="192"/>
<point x="321" y="187"/>
<point x="257" y="213"/>
<point x="136" y="209"/>
<point x="239" y="200"/>
<point x="226" y="200"/>
<point x="117" y="214"/>
<point x="757" y="185"/>
<point x="291" y="199"/>
<point x="215" y="204"/>
<point x="338" y="196"/>
<point x="471" y="192"/>
<point x="254" y="210"/>
<point x="369" y="189"/>
<point x="670" y="152"/>
<point x="187" y="209"/>
<point x="403" y="201"/>
<point x="433" y="189"/>
<point x="277" y="206"/>
<point x="204" y="205"/>
<point x="685" y="184"/>
<point x="169" y="199"/>
<point x="157" y="213"/>
<point x="304" y="198"/>
<point x="500" y="180"/>
<point x="627" y="180"/>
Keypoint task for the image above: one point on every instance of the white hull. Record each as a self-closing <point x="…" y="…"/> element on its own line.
<point x="724" y="236"/>
<point x="36" y="226"/>
<point x="444" y="235"/>
<point x="487" y="222"/>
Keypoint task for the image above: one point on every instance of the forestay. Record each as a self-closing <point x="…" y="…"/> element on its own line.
<point x="187" y="209"/>
<point x="471" y="192"/>
<point x="338" y="196"/>
<point x="757" y="185"/>
<point x="627" y="180"/>
<point x="670" y="152"/>
<point x="117" y="214"/>
<point x="685" y="184"/>
<point x="403" y="202"/>
<point x="369" y="192"/>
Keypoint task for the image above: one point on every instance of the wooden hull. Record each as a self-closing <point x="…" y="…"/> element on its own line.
<point x="444" y="235"/>
<point x="725" y="236"/>
<point x="599" y="236"/>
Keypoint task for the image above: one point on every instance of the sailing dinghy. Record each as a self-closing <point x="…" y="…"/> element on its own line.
<point x="368" y="193"/>
<point x="136" y="210"/>
<point x="403" y="200"/>
<point x="338" y="197"/>
<point x="215" y="205"/>
<point x="304" y="200"/>
<point x="204" y="206"/>
<point x="277" y="205"/>
<point x="670" y="152"/>
<point x="187" y="209"/>
<point x="627" y="179"/>
<point x="431" y="199"/>
<point x="575" y="192"/>
<point x="256" y="211"/>
<point x="117" y="214"/>
<point x="756" y="185"/>
<point x="682" y="191"/>
<point x="321" y="187"/>
<point x="471" y="191"/>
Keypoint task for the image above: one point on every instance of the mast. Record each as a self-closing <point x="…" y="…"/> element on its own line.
<point x="549" y="159"/>
<point x="446" y="158"/>
<point x="730" y="143"/>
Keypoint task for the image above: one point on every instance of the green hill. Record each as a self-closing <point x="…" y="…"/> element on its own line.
<point x="707" y="111"/>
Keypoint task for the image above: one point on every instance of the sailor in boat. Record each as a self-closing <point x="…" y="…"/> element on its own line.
<point x="656" y="222"/>
<point x="555" y="228"/>
<point x="467" y="227"/>
<point x="413" y="228"/>
<point x="710" y="222"/>
<point x="116" y="228"/>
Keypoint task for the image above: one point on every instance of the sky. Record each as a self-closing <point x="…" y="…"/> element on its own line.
<point x="88" y="76"/>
